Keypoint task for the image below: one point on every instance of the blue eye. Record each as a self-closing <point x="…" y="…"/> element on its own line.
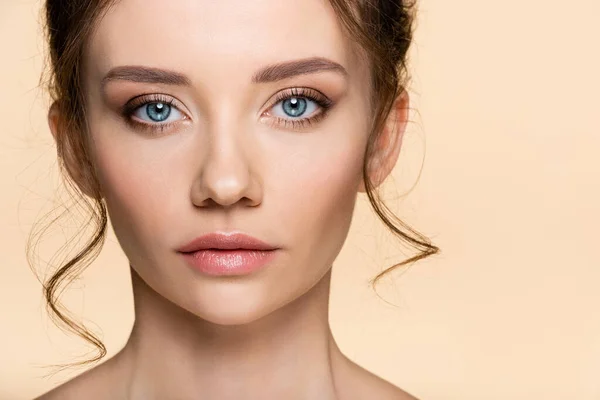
<point x="156" y="112"/>
<point x="295" y="107"/>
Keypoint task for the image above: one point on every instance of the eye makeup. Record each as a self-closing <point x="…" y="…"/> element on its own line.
<point x="292" y="96"/>
<point x="146" y="100"/>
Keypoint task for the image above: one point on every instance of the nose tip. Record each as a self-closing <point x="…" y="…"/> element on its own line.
<point x="227" y="166"/>
<point x="228" y="191"/>
<point x="226" y="186"/>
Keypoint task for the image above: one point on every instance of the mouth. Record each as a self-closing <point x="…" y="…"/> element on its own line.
<point x="219" y="254"/>
<point x="226" y="241"/>
<point x="228" y="262"/>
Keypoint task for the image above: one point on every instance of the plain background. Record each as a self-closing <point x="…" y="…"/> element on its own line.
<point x="506" y="122"/>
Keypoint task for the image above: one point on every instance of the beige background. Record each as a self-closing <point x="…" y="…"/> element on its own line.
<point x="507" y="95"/>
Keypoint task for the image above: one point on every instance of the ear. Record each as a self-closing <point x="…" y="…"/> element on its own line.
<point x="387" y="146"/>
<point x="76" y="169"/>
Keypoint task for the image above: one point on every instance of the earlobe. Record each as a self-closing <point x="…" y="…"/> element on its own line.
<point x="66" y="151"/>
<point x="53" y="119"/>
<point x="389" y="143"/>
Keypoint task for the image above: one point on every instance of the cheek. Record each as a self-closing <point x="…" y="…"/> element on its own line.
<point x="328" y="187"/>
<point x="322" y="191"/>
<point x="142" y="190"/>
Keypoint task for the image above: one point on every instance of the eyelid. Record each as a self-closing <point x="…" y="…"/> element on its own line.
<point x="299" y="124"/>
<point x="137" y="102"/>
<point x="312" y="94"/>
<point x="322" y="101"/>
<point x="143" y="99"/>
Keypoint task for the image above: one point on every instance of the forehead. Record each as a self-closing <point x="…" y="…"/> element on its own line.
<point x="234" y="35"/>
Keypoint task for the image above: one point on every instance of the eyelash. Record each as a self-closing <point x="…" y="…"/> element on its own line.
<point x="133" y="105"/>
<point x="299" y="123"/>
<point x="295" y="124"/>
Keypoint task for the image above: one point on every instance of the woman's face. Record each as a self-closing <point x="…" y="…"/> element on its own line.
<point x="223" y="154"/>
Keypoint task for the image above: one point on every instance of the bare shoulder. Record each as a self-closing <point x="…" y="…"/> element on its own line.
<point x="374" y="387"/>
<point x="363" y="384"/>
<point x="70" y="390"/>
<point x="93" y="384"/>
<point x="384" y="390"/>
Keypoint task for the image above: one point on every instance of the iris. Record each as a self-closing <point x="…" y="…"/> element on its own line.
<point x="158" y="111"/>
<point x="294" y="106"/>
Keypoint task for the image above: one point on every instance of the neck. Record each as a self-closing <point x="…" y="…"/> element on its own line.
<point x="287" y="354"/>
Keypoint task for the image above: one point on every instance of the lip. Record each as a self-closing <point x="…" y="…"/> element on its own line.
<point x="219" y="254"/>
<point x="225" y="241"/>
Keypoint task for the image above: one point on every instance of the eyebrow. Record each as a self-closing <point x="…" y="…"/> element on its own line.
<point x="269" y="73"/>
<point x="288" y="69"/>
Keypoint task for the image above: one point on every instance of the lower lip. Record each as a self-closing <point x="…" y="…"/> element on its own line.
<point x="229" y="262"/>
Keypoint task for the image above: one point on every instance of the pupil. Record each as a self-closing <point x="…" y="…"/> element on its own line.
<point x="158" y="111"/>
<point x="294" y="106"/>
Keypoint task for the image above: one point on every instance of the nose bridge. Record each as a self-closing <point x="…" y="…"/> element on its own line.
<point x="226" y="172"/>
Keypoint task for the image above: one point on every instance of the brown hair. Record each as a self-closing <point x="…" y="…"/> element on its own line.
<point x="382" y="28"/>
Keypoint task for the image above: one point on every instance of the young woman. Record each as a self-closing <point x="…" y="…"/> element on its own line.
<point x="227" y="141"/>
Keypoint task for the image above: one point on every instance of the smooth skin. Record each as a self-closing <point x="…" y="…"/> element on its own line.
<point x="229" y="161"/>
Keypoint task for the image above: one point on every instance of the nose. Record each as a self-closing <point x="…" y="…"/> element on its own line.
<point x="227" y="175"/>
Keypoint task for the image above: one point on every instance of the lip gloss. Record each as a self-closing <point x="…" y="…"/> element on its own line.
<point x="228" y="262"/>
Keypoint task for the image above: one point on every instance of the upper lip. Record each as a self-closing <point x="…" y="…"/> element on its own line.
<point x="225" y="241"/>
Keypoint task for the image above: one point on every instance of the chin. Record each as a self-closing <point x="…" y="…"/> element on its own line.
<point x="230" y="303"/>
<point x="231" y="316"/>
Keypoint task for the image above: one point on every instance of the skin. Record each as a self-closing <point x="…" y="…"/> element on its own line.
<point x="226" y="164"/>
